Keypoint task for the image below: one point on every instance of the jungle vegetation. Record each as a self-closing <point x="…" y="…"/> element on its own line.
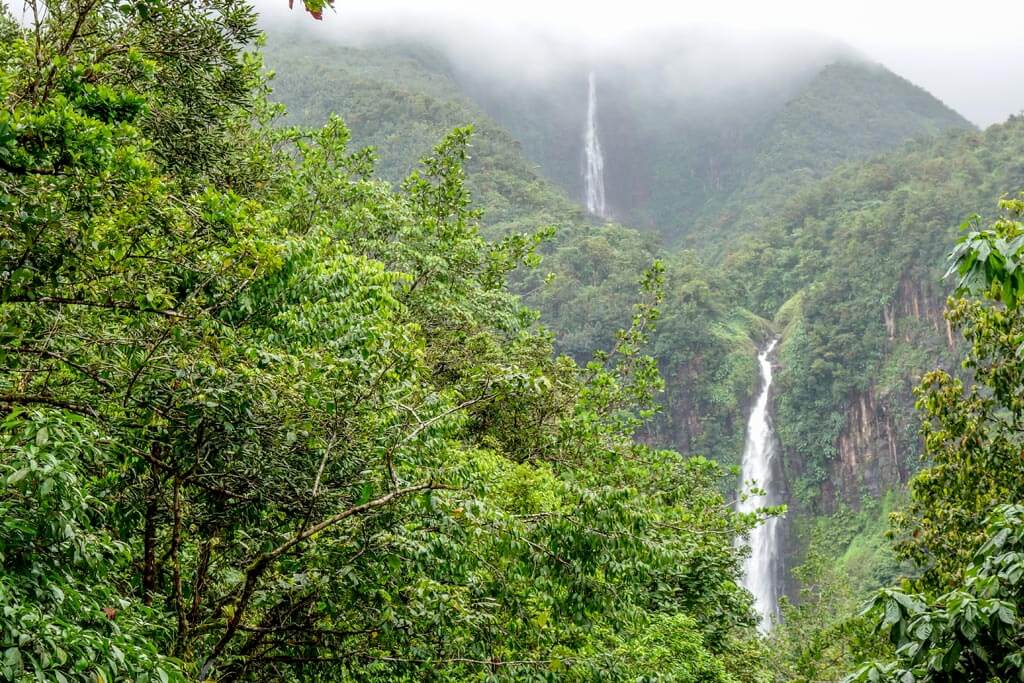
<point x="305" y="378"/>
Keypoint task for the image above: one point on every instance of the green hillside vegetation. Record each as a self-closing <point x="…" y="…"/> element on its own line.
<point x="270" y="418"/>
<point x="683" y="165"/>
<point x="835" y="256"/>
<point x="321" y="378"/>
<point x="400" y="101"/>
<point x="397" y="98"/>
<point x="850" y="110"/>
<point x="686" y="164"/>
<point x="807" y="253"/>
<point x="674" y="140"/>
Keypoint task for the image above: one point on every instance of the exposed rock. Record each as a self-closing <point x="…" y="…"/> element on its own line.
<point x="879" y="446"/>
<point x="870" y="457"/>
<point x="915" y="298"/>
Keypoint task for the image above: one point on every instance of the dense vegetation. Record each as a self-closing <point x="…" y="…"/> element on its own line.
<point x="397" y="100"/>
<point x="268" y="418"/>
<point x="279" y="407"/>
<point x="857" y="324"/>
<point x="960" y="619"/>
<point x="850" y="110"/>
<point x="403" y="95"/>
<point x="956" y="616"/>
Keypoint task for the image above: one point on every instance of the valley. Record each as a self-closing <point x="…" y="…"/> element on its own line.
<point x="386" y="344"/>
<point x="831" y="232"/>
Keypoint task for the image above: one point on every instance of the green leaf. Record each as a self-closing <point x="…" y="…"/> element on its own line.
<point x="12" y="657"/>
<point x="892" y="613"/>
<point x="951" y="657"/>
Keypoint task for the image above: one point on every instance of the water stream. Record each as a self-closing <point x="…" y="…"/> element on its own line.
<point x="593" y="163"/>
<point x="761" y="569"/>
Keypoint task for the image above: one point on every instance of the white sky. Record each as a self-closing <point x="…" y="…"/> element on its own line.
<point x="969" y="54"/>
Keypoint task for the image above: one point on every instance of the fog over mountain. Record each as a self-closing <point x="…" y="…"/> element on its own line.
<point x="449" y="340"/>
<point x="971" y="61"/>
<point x="687" y="115"/>
<point x="702" y="61"/>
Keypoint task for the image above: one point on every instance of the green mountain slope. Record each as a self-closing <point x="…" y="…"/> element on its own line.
<point x="851" y="268"/>
<point x="676" y="156"/>
<point x="401" y="102"/>
<point x="822" y="242"/>
<point x="821" y="214"/>
<point x="850" y="110"/>
<point x="683" y="155"/>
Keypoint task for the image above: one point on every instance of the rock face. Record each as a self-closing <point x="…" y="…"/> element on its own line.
<point x="682" y="425"/>
<point x="916" y="300"/>
<point x="694" y="423"/>
<point x="879" y="446"/>
<point x="870" y="455"/>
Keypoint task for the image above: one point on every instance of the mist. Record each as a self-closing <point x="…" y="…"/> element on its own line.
<point x="974" y="62"/>
<point x="694" y="62"/>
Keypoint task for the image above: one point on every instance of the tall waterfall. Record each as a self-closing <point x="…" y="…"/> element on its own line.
<point x="760" y="571"/>
<point x="593" y="169"/>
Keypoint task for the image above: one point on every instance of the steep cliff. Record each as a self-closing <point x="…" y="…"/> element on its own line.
<point x="878" y="447"/>
<point x="857" y="258"/>
<point x="873" y="446"/>
<point x="708" y="357"/>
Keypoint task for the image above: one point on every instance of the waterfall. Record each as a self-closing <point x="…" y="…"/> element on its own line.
<point x="593" y="169"/>
<point x="760" y="570"/>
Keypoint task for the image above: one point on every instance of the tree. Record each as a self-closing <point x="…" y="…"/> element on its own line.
<point x="971" y="633"/>
<point x="270" y="418"/>
<point x="959" y="621"/>
<point x="971" y="430"/>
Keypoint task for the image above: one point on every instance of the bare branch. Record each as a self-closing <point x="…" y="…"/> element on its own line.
<point x="260" y="565"/>
<point x="115" y="305"/>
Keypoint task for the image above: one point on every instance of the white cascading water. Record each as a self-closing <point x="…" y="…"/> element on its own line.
<point x="760" y="570"/>
<point x="593" y="163"/>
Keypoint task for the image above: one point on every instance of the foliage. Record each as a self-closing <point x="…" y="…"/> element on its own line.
<point x="970" y="633"/>
<point x="849" y="110"/>
<point x="854" y="325"/>
<point x="65" y="613"/>
<point x="959" y="620"/>
<point x="268" y="418"/>
<point x="314" y="7"/>
<point x="990" y="258"/>
<point x="972" y="431"/>
<point x="820" y="637"/>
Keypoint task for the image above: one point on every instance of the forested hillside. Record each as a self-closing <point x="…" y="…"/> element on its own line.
<point x="325" y="375"/>
<point x="682" y="159"/>
<point x="850" y="110"/>
<point x="792" y="251"/>
<point x="268" y="418"/>
<point x="401" y="94"/>
<point x="852" y="267"/>
<point x="782" y="256"/>
<point x="851" y="272"/>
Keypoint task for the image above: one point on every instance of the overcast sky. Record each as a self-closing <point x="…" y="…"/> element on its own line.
<point x="968" y="54"/>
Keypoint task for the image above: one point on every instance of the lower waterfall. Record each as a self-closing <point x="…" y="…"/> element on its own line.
<point x="761" y="569"/>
